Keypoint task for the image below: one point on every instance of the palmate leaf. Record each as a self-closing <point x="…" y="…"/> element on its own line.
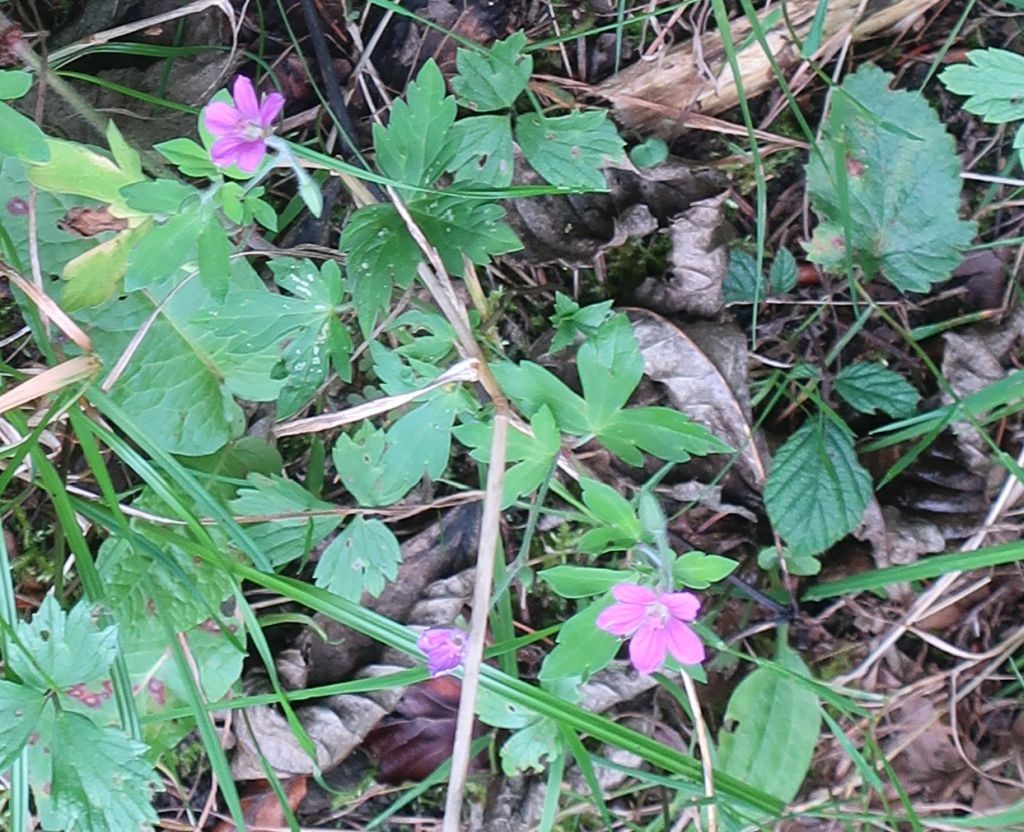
<point x="88" y="778"/>
<point x="484" y="153"/>
<point x="20" y="709"/>
<point x="460" y="228"/>
<point x="495" y="79"/>
<point x="195" y="358"/>
<point x="361" y="559"/>
<point x="568" y="150"/>
<point x="903" y="179"/>
<point x="817" y="491"/>
<point x="994" y="80"/>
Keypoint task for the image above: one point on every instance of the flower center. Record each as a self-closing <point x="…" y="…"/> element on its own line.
<point x="249" y="131"/>
<point x="657" y="614"/>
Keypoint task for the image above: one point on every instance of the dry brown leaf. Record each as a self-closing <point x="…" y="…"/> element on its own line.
<point x="262" y="810"/>
<point x="704" y="372"/>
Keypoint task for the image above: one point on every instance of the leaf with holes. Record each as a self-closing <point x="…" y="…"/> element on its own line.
<point x="360" y="559"/>
<point x="817" y="491"/>
<point x="569" y="150"/>
<point x="494" y="79"/>
<point x="484" y="151"/>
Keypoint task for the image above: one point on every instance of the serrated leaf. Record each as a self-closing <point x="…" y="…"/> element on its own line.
<point x="20" y="709"/>
<point x="817" y="491"/>
<point x="568" y="151"/>
<point x="570" y="320"/>
<point x="698" y="570"/>
<point x="870" y="386"/>
<point x="361" y="559"/>
<point x="415" y="148"/>
<point x="532" y="387"/>
<point x="661" y="431"/>
<point x="743" y="283"/>
<point x="581" y="581"/>
<point x="14" y="83"/>
<point x="101" y="780"/>
<point x="610" y="367"/>
<point x="532" y="748"/>
<point x="63" y="648"/>
<point x="993" y="80"/>
<point x="775" y="722"/>
<point x="484" y="152"/>
<point x="21" y="137"/>
<point x="582" y="648"/>
<point x="460" y="228"/>
<point x="196" y="357"/>
<point x="493" y="80"/>
<point x="783" y="274"/>
<point x="380" y="253"/>
<point x="285" y="539"/>
<point x="903" y="186"/>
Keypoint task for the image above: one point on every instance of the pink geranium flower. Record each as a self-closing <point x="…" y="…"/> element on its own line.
<point x="444" y="647"/>
<point x="242" y="130"/>
<point x="655" y="622"/>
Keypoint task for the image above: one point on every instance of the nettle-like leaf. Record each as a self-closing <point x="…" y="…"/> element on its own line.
<point x="195" y="358"/>
<point x="744" y="284"/>
<point x="869" y="386"/>
<point x="610" y="367"/>
<point x="533" y="456"/>
<point x="993" y="81"/>
<point x="415" y="148"/>
<point x="494" y="79"/>
<point x="89" y="778"/>
<point x="321" y="341"/>
<point x="484" y="152"/>
<point x="902" y="177"/>
<point x="361" y="559"/>
<point x="772" y="731"/>
<point x="817" y="491"/>
<point x="65" y="648"/>
<point x="285" y="539"/>
<point x="568" y="150"/>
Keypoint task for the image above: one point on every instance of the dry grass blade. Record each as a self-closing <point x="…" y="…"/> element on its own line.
<point x="48" y="308"/>
<point x="49" y="381"/>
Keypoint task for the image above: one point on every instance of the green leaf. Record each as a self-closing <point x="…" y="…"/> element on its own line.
<point x="743" y="283"/>
<point x="620" y="527"/>
<point x="570" y="320"/>
<point x="163" y="196"/>
<point x="698" y="570"/>
<point x="20" y="708"/>
<point x="160" y="253"/>
<point x="649" y="153"/>
<point x="361" y="559"/>
<point x="817" y="491"/>
<point x="380" y="253"/>
<point x="782" y="277"/>
<point x="533" y="387"/>
<point x="188" y="156"/>
<point x="484" y="153"/>
<point x="101" y="780"/>
<point x="660" y="431"/>
<point x="460" y="228"/>
<point x="903" y="186"/>
<point x="415" y="147"/>
<point x="283" y="540"/>
<point x="870" y="386"/>
<point x="532" y="748"/>
<point x="582" y="648"/>
<point x="993" y="80"/>
<point x="568" y="151"/>
<point x="610" y="367"/>
<point x="773" y="723"/>
<point x="196" y="357"/>
<point x="65" y="648"/>
<point x="75" y="169"/>
<point x="495" y="79"/>
<point x="213" y="252"/>
<point x="582" y="581"/>
<point x="804" y="566"/>
<point x="321" y="339"/>
<point x="21" y="137"/>
<point x="95" y="276"/>
<point x="14" y="83"/>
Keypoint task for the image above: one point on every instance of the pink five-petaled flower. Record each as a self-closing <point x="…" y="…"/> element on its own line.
<point x="242" y="130"/>
<point x="655" y="622"/>
<point x="444" y="647"/>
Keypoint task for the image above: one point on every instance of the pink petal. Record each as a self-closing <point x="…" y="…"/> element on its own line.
<point x="245" y="99"/>
<point x="683" y="643"/>
<point x="221" y="119"/>
<point x="225" y="151"/>
<point x="621" y="619"/>
<point x="270" y="109"/>
<point x="250" y="154"/>
<point x="634" y="594"/>
<point x="647" y="649"/>
<point x="682" y="605"/>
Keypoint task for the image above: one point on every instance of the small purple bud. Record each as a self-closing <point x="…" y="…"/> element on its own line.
<point x="444" y="647"/>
